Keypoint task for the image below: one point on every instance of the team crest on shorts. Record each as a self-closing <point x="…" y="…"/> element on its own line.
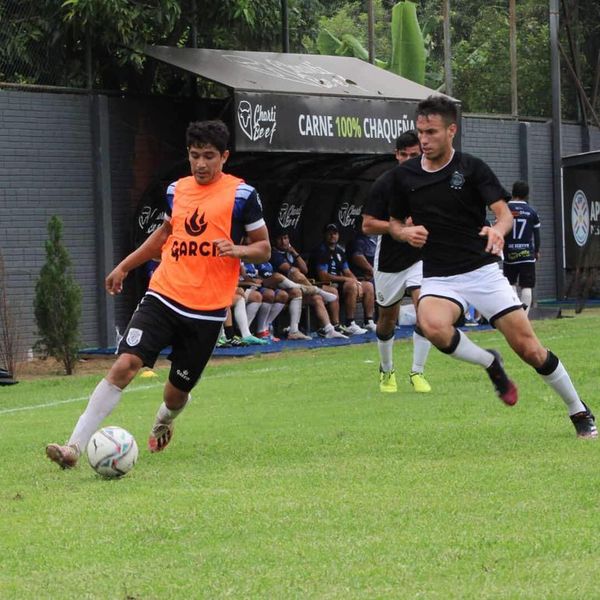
<point x="134" y="336"/>
<point x="457" y="180"/>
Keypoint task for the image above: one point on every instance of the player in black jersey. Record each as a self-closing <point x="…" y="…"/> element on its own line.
<point x="398" y="271"/>
<point x="522" y="244"/>
<point x="438" y="203"/>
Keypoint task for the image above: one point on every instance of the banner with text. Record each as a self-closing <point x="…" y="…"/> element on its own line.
<point x="581" y="198"/>
<point x="287" y="123"/>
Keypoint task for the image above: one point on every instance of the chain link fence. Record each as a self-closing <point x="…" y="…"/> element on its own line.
<point x="35" y="50"/>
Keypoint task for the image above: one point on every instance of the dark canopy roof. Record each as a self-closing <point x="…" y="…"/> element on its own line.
<point x="305" y="102"/>
<point x="308" y="74"/>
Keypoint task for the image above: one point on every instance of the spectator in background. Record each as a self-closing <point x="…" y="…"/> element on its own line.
<point x="260" y="277"/>
<point x="331" y="265"/>
<point x="398" y="271"/>
<point x="361" y="255"/>
<point x="522" y="244"/>
<point x="293" y="269"/>
<point x="407" y="146"/>
<point x="246" y="303"/>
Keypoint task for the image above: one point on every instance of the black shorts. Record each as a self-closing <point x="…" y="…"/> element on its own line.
<point x="154" y="326"/>
<point x="522" y="274"/>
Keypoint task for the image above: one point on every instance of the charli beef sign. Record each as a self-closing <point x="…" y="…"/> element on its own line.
<point x="276" y="122"/>
<point x="284" y="102"/>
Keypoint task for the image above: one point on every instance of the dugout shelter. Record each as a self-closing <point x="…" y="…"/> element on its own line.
<point x="310" y="132"/>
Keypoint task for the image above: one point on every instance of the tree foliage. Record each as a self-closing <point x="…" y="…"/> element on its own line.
<point x="45" y="42"/>
<point x="57" y="302"/>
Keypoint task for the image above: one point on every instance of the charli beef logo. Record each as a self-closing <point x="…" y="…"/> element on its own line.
<point x="258" y="122"/>
<point x="196" y="226"/>
<point x="347" y="214"/>
<point x="289" y="215"/>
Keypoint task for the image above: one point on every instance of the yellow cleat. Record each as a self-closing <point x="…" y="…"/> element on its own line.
<point x="387" y="381"/>
<point x="419" y="382"/>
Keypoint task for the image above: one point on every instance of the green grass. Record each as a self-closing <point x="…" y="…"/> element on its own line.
<point x="293" y="477"/>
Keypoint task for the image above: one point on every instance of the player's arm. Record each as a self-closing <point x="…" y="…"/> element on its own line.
<point x="495" y="233"/>
<point x="257" y="250"/>
<point x="363" y="264"/>
<point x="373" y="226"/>
<point x="150" y="249"/>
<point x="403" y="230"/>
<point x="537" y="240"/>
<point x="300" y="262"/>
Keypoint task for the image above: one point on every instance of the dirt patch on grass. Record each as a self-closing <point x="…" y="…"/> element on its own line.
<point x="86" y="365"/>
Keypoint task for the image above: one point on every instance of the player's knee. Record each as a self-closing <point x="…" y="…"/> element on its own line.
<point x="386" y="324"/>
<point x="533" y="354"/>
<point x="124" y="369"/>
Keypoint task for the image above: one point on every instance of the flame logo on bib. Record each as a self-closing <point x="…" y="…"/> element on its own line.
<point x="196" y="227"/>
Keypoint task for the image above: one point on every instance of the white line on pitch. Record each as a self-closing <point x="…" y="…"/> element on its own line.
<point x="6" y="411"/>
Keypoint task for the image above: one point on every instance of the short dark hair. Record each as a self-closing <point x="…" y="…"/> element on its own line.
<point x="407" y="139"/>
<point x="202" y="133"/>
<point x="520" y="189"/>
<point x="437" y="104"/>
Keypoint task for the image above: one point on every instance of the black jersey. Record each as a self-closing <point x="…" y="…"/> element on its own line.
<point x="451" y="204"/>
<point x="390" y="256"/>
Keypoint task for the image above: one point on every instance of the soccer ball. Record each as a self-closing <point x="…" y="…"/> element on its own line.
<point x="112" y="452"/>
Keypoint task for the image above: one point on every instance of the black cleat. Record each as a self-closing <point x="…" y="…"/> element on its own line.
<point x="505" y="388"/>
<point x="585" y="424"/>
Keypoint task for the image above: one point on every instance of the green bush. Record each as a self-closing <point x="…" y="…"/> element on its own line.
<point x="57" y="302"/>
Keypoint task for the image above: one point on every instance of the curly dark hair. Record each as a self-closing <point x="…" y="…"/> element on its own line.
<point x="201" y="133"/>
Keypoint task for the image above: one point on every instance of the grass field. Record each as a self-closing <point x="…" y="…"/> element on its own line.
<point x="291" y="476"/>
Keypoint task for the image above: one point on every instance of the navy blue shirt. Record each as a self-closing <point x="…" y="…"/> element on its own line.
<point x="520" y="244"/>
<point x="331" y="261"/>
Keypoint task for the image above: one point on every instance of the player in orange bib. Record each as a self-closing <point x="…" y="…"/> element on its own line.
<point x="188" y="295"/>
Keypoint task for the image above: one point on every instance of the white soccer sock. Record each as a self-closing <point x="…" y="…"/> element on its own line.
<point x="167" y="415"/>
<point x="327" y="296"/>
<point x="386" y="351"/>
<point x="251" y="310"/>
<point x="101" y="403"/>
<point x="471" y="352"/>
<point x="263" y="316"/>
<point x="526" y="298"/>
<point x="288" y="284"/>
<point x="241" y="317"/>
<point x="295" y="313"/>
<point x="276" y="308"/>
<point x="560" y="381"/>
<point x="421" y="347"/>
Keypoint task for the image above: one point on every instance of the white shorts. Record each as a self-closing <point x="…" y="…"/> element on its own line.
<point x="390" y="288"/>
<point x="485" y="288"/>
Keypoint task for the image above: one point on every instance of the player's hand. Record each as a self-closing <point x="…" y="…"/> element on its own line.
<point x="415" y="235"/>
<point x="227" y="248"/>
<point x="114" y="281"/>
<point x="495" y="242"/>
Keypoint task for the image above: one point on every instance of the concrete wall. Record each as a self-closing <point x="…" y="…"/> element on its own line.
<point x="524" y="151"/>
<point x="48" y="167"/>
